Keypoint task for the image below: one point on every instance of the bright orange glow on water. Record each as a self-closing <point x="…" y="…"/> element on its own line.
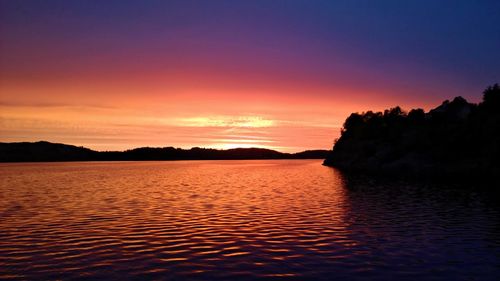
<point x="198" y="213"/>
<point x="232" y="220"/>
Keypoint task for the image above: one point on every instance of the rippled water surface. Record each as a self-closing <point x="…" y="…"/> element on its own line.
<point x="237" y="220"/>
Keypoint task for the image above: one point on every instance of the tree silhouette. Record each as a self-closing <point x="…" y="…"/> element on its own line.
<point x="491" y="97"/>
<point x="453" y="140"/>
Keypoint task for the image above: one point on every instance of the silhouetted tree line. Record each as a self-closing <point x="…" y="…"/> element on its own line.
<point x="46" y="151"/>
<point x="457" y="138"/>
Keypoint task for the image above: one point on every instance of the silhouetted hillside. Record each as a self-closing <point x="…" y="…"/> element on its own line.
<point x="46" y="151"/>
<point x="456" y="139"/>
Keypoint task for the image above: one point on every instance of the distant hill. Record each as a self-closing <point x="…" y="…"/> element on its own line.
<point x="43" y="151"/>
<point x="457" y="140"/>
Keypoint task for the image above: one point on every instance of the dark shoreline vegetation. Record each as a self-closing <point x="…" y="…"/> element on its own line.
<point x="43" y="151"/>
<point x="457" y="140"/>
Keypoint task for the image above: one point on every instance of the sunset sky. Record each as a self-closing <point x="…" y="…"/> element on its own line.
<point x="113" y="75"/>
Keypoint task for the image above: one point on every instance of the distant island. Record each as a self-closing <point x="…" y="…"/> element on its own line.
<point x="43" y="151"/>
<point x="456" y="140"/>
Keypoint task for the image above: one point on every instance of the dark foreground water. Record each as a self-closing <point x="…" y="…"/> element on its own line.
<point x="237" y="220"/>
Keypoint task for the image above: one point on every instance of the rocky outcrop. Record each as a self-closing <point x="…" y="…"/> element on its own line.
<point x="457" y="139"/>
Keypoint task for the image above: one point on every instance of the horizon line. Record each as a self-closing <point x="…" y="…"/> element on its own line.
<point x="129" y="149"/>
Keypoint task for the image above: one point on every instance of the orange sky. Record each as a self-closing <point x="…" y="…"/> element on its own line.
<point x="280" y="75"/>
<point x="109" y="116"/>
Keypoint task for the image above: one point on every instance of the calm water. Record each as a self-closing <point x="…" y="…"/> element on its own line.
<point x="245" y="220"/>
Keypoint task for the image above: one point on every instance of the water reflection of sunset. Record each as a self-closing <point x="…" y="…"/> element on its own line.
<point x="228" y="219"/>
